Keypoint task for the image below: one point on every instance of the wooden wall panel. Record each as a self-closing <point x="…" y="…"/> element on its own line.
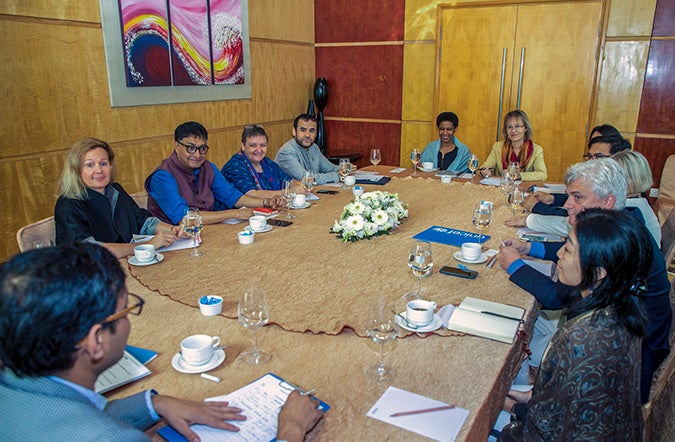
<point x="418" y="80"/>
<point x="77" y="10"/>
<point x="656" y="150"/>
<point x="664" y="21"/>
<point x="620" y="86"/>
<point x="363" y="81"/>
<point x="360" y="21"/>
<point x="291" y="20"/>
<point x="631" y="17"/>
<point x="657" y="110"/>
<point x="416" y="135"/>
<point x="346" y="137"/>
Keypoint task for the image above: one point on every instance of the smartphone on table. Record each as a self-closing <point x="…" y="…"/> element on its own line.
<point x="455" y="271"/>
<point x="279" y="222"/>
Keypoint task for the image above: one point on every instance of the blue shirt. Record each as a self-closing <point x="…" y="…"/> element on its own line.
<point x="164" y="189"/>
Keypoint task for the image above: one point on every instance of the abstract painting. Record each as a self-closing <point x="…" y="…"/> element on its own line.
<point x="170" y="49"/>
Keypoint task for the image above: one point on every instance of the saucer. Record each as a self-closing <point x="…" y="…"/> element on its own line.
<point x="482" y="259"/>
<point x="266" y="229"/>
<point x="304" y="206"/>
<point x="134" y="262"/>
<point x="180" y="365"/>
<point x="433" y="326"/>
<point x="428" y="170"/>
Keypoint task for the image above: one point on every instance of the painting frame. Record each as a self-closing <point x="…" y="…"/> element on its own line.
<point x="122" y="95"/>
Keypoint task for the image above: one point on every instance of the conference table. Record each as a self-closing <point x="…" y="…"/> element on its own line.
<point x="319" y="289"/>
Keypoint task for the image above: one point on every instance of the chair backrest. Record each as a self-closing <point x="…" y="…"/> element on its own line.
<point x="666" y="200"/>
<point x="668" y="238"/>
<point x="141" y="199"/>
<point x="41" y="232"/>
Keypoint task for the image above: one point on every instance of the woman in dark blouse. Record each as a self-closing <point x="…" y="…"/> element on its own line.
<point x="588" y="386"/>
<point x="91" y="207"/>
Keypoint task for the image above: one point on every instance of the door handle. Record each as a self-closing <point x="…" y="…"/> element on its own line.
<point x="501" y="97"/>
<point x="520" y="77"/>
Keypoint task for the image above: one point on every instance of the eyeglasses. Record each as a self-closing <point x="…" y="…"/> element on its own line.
<point x="595" y="156"/>
<point x="191" y="148"/>
<point x="517" y="127"/>
<point x="134" y="309"/>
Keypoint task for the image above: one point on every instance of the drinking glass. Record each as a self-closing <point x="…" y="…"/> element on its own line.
<point x="473" y="165"/>
<point x="517" y="200"/>
<point x="192" y="225"/>
<point x="482" y="218"/>
<point x="415" y="157"/>
<point x="309" y="181"/>
<point x="289" y="195"/>
<point x="420" y="261"/>
<point x="375" y="158"/>
<point x="254" y="313"/>
<point x="344" y="169"/>
<point x="381" y="328"/>
<point x="514" y="170"/>
<point x="507" y="183"/>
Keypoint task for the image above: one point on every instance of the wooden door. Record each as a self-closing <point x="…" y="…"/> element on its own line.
<point x="560" y="42"/>
<point x="473" y="40"/>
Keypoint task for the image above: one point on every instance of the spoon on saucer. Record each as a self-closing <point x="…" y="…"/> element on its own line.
<point x="407" y="323"/>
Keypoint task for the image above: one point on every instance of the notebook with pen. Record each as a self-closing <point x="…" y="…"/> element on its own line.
<point x="487" y="319"/>
<point x="260" y="400"/>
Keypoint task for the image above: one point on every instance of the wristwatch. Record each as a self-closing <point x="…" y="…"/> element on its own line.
<point x="265" y="202"/>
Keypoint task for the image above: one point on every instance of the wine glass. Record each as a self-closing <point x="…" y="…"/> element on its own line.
<point x="344" y="169"/>
<point x="415" y="157"/>
<point x="289" y="195"/>
<point x="514" y="170"/>
<point x="517" y="200"/>
<point x="375" y="158"/>
<point x="473" y="165"/>
<point x="482" y="218"/>
<point x="381" y="327"/>
<point x="309" y="181"/>
<point x="192" y="225"/>
<point x="420" y="261"/>
<point x="254" y="313"/>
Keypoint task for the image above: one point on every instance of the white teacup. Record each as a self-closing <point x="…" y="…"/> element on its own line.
<point x="446" y="179"/>
<point x="350" y="180"/>
<point x="257" y="223"/>
<point x="428" y="165"/>
<point x="299" y="200"/>
<point x="420" y="312"/>
<point x="144" y="252"/>
<point x="471" y="251"/>
<point x="198" y="349"/>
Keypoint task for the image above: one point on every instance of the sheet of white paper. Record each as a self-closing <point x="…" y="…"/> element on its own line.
<point x="466" y="175"/>
<point x="332" y="184"/>
<point x="126" y="370"/>
<point x="234" y="221"/>
<point x="558" y="188"/>
<point x="261" y="401"/>
<point x="491" y="181"/>
<point x="545" y="268"/>
<point x="179" y="244"/>
<point x="397" y="170"/>
<point x="440" y="425"/>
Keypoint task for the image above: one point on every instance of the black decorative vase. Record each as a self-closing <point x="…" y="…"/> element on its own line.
<point x="310" y="109"/>
<point x="320" y="99"/>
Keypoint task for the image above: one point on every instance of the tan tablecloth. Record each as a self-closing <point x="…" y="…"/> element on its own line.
<point x="315" y="282"/>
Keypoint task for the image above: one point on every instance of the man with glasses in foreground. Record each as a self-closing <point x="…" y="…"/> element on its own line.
<point x="63" y="321"/>
<point x="187" y="179"/>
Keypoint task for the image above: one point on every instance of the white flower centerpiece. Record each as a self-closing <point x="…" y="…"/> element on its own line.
<point x="371" y="214"/>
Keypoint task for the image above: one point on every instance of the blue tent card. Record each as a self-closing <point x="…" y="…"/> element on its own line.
<point x="449" y="236"/>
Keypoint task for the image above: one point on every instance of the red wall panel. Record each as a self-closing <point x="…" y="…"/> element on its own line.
<point x="352" y="21"/>
<point x="657" y="108"/>
<point x="363" y="81"/>
<point x="664" y="18"/>
<point x="347" y="137"/>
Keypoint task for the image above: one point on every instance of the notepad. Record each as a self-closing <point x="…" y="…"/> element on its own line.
<point x="260" y="401"/>
<point x="127" y="369"/>
<point x="487" y="319"/>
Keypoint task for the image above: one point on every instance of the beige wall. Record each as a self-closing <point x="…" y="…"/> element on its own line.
<point x="54" y="91"/>
<point x="618" y="91"/>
